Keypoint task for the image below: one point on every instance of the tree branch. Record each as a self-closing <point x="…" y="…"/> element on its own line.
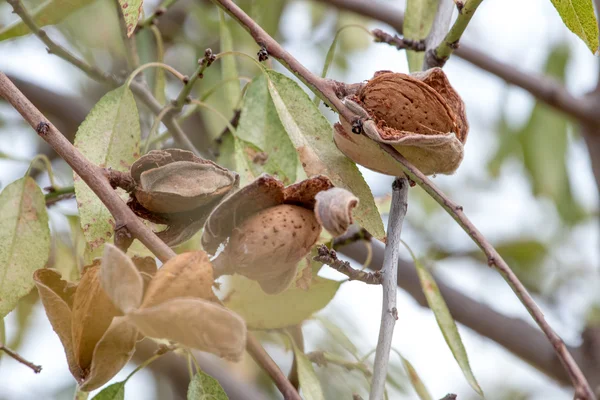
<point x="545" y="89"/>
<point x="389" y="272"/>
<point x="329" y="257"/>
<point x="582" y="388"/>
<point x="36" y="368"/>
<point x="514" y="334"/>
<point x="94" y="177"/>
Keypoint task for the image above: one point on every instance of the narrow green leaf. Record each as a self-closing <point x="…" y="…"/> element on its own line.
<point x="446" y="323"/>
<point x="2" y="333"/>
<point x="311" y="135"/>
<point x="160" y="80"/>
<point x="205" y="387"/>
<point x="116" y="391"/>
<point x="263" y="311"/>
<point x="260" y="126"/>
<point x="339" y="336"/>
<point x="579" y="17"/>
<point x="309" y="383"/>
<point x="24" y="240"/>
<point x="109" y="137"/>
<point x="416" y="381"/>
<point x="417" y="24"/>
<point x="50" y="12"/>
<point x="131" y="12"/>
<point x="229" y="70"/>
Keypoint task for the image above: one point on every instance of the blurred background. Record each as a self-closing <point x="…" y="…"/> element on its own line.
<point x="526" y="183"/>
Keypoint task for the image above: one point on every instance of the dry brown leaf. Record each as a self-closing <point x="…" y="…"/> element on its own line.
<point x="195" y="323"/>
<point x="112" y="352"/>
<point x="120" y="279"/>
<point x="186" y="275"/>
<point x="334" y="210"/>
<point x="91" y="316"/>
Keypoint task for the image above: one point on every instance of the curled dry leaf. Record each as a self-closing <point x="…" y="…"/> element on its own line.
<point x="186" y="275"/>
<point x="271" y="228"/>
<point x="176" y="188"/>
<point x="82" y="316"/>
<point x="120" y="279"/>
<point x="421" y="115"/>
<point x="195" y="323"/>
<point x="333" y="210"/>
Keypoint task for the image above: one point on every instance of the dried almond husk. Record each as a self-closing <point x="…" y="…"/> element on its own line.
<point x="173" y="181"/>
<point x="333" y="210"/>
<point x="421" y="115"/>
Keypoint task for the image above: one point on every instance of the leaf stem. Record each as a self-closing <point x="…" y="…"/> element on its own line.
<point x="203" y="63"/>
<point x="156" y="64"/>
<point x="389" y="272"/>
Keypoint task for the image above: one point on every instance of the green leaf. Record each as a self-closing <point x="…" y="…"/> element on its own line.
<point x="309" y="383"/>
<point x="339" y="336"/>
<point x="2" y="333"/>
<point x="311" y="135"/>
<point x="116" y="391"/>
<point x="229" y="71"/>
<point x="131" y="10"/>
<point x="263" y="311"/>
<point x="50" y="12"/>
<point x="417" y="24"/>
<point x="446" y="323"/>
<point x="24" y="240"/>
<point x="579" y="17"/>
<point x="416" y="381"/>
<point x="205" y="387"/>
<point x="109" y="137"/>
<point x="260" y="126"/>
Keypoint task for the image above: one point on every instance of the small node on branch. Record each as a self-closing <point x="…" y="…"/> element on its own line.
<point x="449" y="396"/>
<point x="459" y="5"/>
<point x="159" y="11"/>
<point x="208" y="59"/>
<point x="263" y="54"/>
<point x="123" y="237"/>
<point x="43" y="128"/>
<point x="185" y="79"/>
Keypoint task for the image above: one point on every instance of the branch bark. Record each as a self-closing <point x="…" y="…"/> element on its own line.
<point x="389" y="279"/>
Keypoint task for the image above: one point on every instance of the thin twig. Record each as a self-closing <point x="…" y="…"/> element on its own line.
<point x="96" y="179"/>
<point x="401" y="43"/>
<point x="36" y="368"/>
<point x="55" y="195"/>
<point x="322" y="359"/>
<point x="295" y="333"/>
<point x="329" y="257"/>
<point x="266" y="362"/>
<point x="203" y="63"/>
<point x="582" y="388"/>
<point x="54" y="48"/>
<point x="389" y="313"/>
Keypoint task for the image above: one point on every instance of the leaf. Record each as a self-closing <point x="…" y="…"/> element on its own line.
<point x="260" y="126"/>
<point x="263" y="311"/>
<point x="116" y="391"/>
<point x="417" y="24"/>
<point x="195" y="323"/>
<point x="109" y="137"/>
<point x="229" y="72"/>
<point x="311" y="135"/>
<point x="205" y="387"/>
<point x="120" y="279"/>
<point x="309" y="383"/>
<point x="131" y="13"/>
<point x="579" y="17"/>
<point x="338" y="335"/>
<point x="50" y="12"/>
<point x="2" y="333"/>
<point x="446" y="323"/>
<point x="416" y="381"/>
<point x="24" y="240"/>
